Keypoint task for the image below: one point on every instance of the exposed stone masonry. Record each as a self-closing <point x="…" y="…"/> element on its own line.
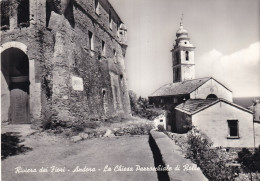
<point x="69" y="81"/>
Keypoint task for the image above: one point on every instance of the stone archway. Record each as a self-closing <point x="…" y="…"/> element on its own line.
<point x="15" y="83"/>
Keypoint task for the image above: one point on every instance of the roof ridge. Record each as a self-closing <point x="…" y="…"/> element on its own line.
<point x="180" y="106"/>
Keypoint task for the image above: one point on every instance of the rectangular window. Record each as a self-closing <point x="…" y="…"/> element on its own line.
<point x="233" y="129"/>
<point x="187" y="55"/>
<point x="161" y="120"/>
<point x="90" y="40"/>
<point x="23" y="14"/>
<point x="97" y="7"/>
<point x="115" y="56"/>
<point x="103" y="48"/>
<point x="110" y="20"/>
<point x="5" y="11"/>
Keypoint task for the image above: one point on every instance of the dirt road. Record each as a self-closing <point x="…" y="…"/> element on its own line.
<point x="54" y="158"/>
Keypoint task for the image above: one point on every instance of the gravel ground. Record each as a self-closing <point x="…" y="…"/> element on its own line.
<point x="60" y="157"/>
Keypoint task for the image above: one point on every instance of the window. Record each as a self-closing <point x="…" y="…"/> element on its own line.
<point x="90" y="40"/>
<point x="97" y="7"/>
<point x="175" y="100"/>
<point x="5" y="11"/>
<point x="23" y="14"/>
<point x="187" y="55"/>
<point x="161" y="120"/>
<point x="103" y="48"/>
<point x="115" y="56"/>
<point x="233" y="129"/>
<point x="104" y="92"/>
<point x="117" y="28"/>
<point x="110" y="20"/>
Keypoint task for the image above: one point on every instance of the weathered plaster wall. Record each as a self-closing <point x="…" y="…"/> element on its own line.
<point x="32" y="39"/>
<point x="161" y="120"/>
<point x="191" y="57"/>
<point x="212" y="87"/>
<point x="100" y="72"/>
<point x="187" y="72"/>
<point x="61" y="51"/>
<point x="257" y="134"/>
<point x="213" y="122"/>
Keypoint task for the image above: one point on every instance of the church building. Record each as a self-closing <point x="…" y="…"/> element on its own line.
<point x="202" y="102"/>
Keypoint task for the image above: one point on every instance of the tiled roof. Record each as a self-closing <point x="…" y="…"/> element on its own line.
<point x="178" y="88"/>
<point x="192" y="106"/>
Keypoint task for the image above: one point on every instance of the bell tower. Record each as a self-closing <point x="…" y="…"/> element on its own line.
<point x="183" y="56"/>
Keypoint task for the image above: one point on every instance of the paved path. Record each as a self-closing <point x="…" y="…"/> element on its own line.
<point x="95" y="153"/>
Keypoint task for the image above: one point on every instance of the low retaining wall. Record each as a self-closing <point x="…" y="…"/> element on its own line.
<point x="182" y="168"/>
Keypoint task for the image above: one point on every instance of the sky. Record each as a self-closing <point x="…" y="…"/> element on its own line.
<point x="224" y="32"/>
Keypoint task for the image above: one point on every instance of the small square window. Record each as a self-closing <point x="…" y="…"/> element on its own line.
<point x="161" y="120"/>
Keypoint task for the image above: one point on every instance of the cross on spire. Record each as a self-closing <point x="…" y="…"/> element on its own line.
<point x="181" y="19"/>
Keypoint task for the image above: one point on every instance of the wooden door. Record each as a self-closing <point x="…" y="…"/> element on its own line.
<point x="19" y="104"/>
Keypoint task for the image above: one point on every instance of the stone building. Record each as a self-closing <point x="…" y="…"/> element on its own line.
<point x="62" y="60"/>
<point x="201" y="102"/>
<point x="225" y="123"/>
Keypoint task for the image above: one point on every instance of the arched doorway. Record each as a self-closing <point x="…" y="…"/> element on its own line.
<point x="212" y="96"/>
<point x="15" y="86"/>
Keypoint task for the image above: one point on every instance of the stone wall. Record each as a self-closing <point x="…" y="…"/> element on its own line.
<point x="70" y="79"/>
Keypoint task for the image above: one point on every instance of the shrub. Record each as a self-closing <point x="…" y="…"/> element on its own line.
<point x="142" y="129"/>
<point x="214" y="167"/>
<point x="139" y="107"/>
<point x="250" y="162"/>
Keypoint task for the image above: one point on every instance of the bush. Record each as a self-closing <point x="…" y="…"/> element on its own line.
<point x="142" y="129"/>
<point x="250" y="162"/>
<point x="214" y="167"/>
<point x="139" y="107"/>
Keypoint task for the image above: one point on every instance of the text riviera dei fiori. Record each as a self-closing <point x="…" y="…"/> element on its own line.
<point x="107" y="168"/>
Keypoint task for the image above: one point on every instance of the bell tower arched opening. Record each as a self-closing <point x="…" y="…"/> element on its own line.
<point x="15" y="86"/>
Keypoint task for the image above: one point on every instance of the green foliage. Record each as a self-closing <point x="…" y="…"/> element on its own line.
<point x="76" y="127"/>
<point x="142" y="129"/>
<point x="11" y="145"/>
<point x="250" y="162"/>
<point x="213" y="166"/>
<point x="160" y="128"/>
<point x="140" y="107"/>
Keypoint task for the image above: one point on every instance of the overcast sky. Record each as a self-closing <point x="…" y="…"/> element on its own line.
<point x="224" y="32"/>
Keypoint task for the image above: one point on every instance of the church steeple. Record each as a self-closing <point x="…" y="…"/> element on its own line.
<point x="183" y="56"/>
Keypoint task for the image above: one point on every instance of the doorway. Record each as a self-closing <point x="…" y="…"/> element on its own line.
<point x="15" y="86"/>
